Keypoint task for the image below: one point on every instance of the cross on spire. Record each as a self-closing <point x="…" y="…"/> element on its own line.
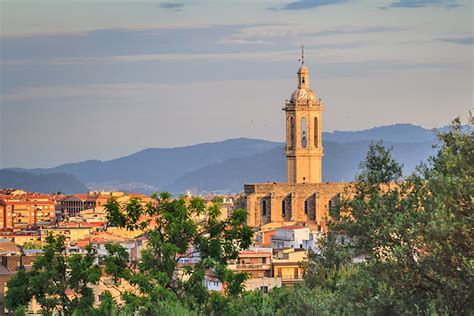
<point x="302" y="55"/>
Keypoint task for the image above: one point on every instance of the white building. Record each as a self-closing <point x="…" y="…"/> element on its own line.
<point x="296" y="237"/>
<point x="213" y="284"/>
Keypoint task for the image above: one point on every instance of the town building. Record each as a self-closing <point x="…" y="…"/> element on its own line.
<point x="257" y="263"/>
<point x="98" y="240"/>
<point x="288" y="265"/>
<point x="12" y="260"/>
<point x="22" y="237"/>
<point x="297" y="237"/>
<point x="74" y="204"/>
<point x="71" y="234"/>
<point x="26" y="210"/>
<point x="304" y="198"/>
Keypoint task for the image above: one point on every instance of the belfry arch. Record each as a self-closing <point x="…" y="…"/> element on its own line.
<point x="304" y="114"/>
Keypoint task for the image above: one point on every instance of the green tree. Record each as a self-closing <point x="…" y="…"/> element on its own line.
<point x="416" y="233"/>
<point x="178" y="229"/>
<point x="324" y="267"/>
<point x="60" y="283"/>
<point x="32" y="245"/>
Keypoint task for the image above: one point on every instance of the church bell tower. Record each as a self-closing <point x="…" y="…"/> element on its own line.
<point x="304" y="150"/>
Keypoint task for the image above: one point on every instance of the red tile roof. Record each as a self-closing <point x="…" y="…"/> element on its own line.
<point x="81" y="224"/>
<point x="292" y="227"/>
<point x="255" y="253"/>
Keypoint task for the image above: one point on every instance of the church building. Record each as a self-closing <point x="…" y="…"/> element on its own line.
<point x="304" y="199"/>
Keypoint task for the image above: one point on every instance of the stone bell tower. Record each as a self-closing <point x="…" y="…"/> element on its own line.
<point x="304" y="150"/>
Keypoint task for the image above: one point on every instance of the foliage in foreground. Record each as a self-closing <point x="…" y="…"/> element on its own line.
<point x="415" y="234"/>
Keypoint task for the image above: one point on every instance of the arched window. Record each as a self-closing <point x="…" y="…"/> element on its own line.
<point x="316" y="139"/>
<point x="306" y="207"/>
<point x="283" y="207"/>
<point x="292" y="132"/>
<point x="264" y="207"/>
<point x="303" y="132"/>
<point x="302" y="79"/>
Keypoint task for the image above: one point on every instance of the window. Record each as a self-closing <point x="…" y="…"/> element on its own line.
<point x="303" y="132"/>
<point x="283" y="207"/>
<point x="264" y="207"/>
<point x="302" y="79"/>
<point x="316" y="139"/>
<point x="306" y="207"/>
<point x="292" y="132"/>
<point x="264" y="289"/>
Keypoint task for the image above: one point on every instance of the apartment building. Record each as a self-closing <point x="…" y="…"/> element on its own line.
<point x="257" y="263"/>
<point x="26" y="210"/>
<point x="288" y="265"/>
<point x="297" y="237"/>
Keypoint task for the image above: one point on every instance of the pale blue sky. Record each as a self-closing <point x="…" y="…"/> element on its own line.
<point x="102" y="79"/>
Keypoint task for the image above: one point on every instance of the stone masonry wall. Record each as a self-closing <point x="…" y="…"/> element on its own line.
<point x="304" y="202"/>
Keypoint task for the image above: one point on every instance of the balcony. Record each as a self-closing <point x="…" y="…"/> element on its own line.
<point x="282" y="238"/>
<point x="291" y="281"/>
<point x="250" y="266"/>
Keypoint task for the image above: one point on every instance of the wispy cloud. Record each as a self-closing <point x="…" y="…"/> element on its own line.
<point x="458" y="40"/>
<point x="307" y="4"/>
<point x="277" y="55"/>
<point x="331" y="67"/>
<point x="198" y="39"/>
<point x="174" y="6"/>
<point x="358" y="30"/>
<point x="278" y="34"/>
<point x="223" y="42"/>
<point x="423" y="3"/>
<point x="273" y="55"/>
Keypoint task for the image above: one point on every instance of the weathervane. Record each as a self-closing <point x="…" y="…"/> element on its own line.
<point x="302" y="55"/>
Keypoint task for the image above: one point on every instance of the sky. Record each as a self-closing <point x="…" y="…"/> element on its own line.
<point x="101" y="79"/>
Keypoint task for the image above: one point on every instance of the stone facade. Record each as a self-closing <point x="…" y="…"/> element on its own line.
<point x="305" y="198"/>
<point x="289" y="202"/>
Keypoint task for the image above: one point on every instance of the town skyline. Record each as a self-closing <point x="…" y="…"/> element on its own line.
<point x="76" y="84"/>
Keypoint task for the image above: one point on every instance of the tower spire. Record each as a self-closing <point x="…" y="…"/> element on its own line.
<point x="304" y="148"/>
<point x="302" y="54"/>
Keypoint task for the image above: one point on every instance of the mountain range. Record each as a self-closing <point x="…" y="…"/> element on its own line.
<point x="45" y="183"/>
<point x="225" y="166"/>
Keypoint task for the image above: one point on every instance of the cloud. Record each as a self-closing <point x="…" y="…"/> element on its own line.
<point x="307" y="4"/>
<point x="241" y="41"/>
<point x="330" y="66"/>
<point x="358" y="30"/>
<point x="197" y="39"/>
<point x="102" y="60"/>
<point x="276" y="35"/>
<point x="222" y="42"/>
<point x="423" y="3"/>
<point x="458" y="40"/>
<point x="172" y="6"/>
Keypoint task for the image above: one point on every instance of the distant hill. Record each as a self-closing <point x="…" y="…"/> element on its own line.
<point x="228" y="164"/>
<point x="340" y="163"/>
<point x="43" y="183"/>
<point x="397" y="133"/>
<point x="154" y="168"/>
